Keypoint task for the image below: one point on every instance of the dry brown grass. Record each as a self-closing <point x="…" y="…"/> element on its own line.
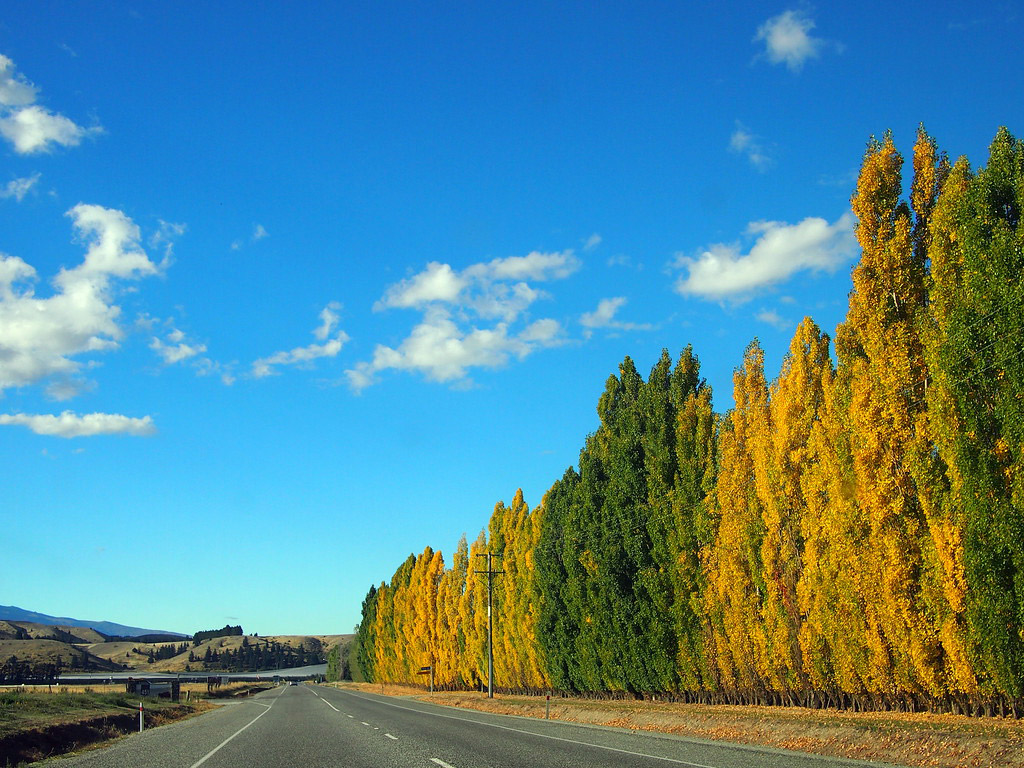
<point x="936" y="741"/>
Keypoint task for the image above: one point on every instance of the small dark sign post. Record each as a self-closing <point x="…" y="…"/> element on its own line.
<point x="428" y="671"/>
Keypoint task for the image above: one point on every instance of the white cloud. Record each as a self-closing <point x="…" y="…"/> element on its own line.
<point x="39" y="337"/>
<point x="773" y="318"/>
<point x="175" y="349"/>
<point x="452" y="336"/>
<point x="69" y="424"/>
<point x="18" y="188"/>
<point x="744" y="142"/>
<point x="29" y="127"/>
<point x="306" y="355"/>
<point x="788" y="40"/>
<point x="438" y="282"/>
<point x="592" y="242"/>
<point x="604" y="317"/>
<point x="780" y="250"/>
<point x="15" y="90"/>
<point x="443" y="352"/>
<point x="546" y="332"/>
<point x="493" y="289"/>
<point x="259" y="232"/>
<point x="534" y="266"/>
<point x="34" y="129"/>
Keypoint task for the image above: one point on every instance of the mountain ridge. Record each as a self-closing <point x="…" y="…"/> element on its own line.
<point x="13" y="613"/>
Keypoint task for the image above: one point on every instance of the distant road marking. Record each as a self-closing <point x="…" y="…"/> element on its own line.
<point x="220" y="746"/>
<point x="441" y="762"/>
<point x="538" y="735"/>
<point x="365" y="723"/>
<point x="350" y="716"/>
<point x="325" y="701"/>
<point x="393" y="738"/>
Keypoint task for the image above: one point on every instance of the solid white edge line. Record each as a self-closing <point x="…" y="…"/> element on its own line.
<point x="217" y="749"/>
<point x="541" y="735"/>
<point x="325" y="701"/>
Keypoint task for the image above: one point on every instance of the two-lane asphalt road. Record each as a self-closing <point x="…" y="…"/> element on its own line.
<point x="313" y="726"/>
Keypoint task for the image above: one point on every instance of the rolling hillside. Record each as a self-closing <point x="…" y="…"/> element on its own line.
<point x="79" y="649"/>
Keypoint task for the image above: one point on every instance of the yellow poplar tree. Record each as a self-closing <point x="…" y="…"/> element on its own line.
<point x="473" y="618"/>
<point x="887" y="387"/>
<point x="735" y="575"/>
<point x="451" y="638"/>
<point x="515" y="533"/>
<point x="834" y="630"/>
<point x="780" y="457"/>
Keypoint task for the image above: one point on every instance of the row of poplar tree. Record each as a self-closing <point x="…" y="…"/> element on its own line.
<point x="849" y="533"/>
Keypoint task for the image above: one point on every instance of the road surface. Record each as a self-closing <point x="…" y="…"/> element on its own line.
<point x="312" y="726"/>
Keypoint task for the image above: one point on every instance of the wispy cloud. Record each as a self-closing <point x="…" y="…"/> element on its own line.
<point x="69" y="424"/>
<point x="29" y="127"/>
<point x="166" y="236"/>
<point x="604" y="317"/>
<point x="174" y="348"/>
<point x="591" y="242"/>
<point x="724" y="271"/>
<point x="18" y="188"/>
<point x="468" y="317"/>
<point x="788" y="40"/>
<point x="259" y="232"/>
<point x="772" y="318"/>
<point x="304" y="356"/>
<point x="744" y="142"/>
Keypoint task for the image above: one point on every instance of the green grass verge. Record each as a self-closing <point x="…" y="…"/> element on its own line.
<point x="29" y="710"/>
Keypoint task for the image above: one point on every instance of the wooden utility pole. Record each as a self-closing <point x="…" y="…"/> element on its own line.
<point x="491" y="573"/>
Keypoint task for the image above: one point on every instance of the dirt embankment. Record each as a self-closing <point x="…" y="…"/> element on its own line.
<point x="935" y="741"/>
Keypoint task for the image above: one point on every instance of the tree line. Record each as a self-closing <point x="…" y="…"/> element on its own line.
<point x="15" y="671"/>
<point x="850" y="533"/>
<point x="257" y="656"/>
<point x="208" y="634"/>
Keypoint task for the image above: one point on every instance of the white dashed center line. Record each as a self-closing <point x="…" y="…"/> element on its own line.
<point x="441" y="762"/>
<point x="393" y="738"/>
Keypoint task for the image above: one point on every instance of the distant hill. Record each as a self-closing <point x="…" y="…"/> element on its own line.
<point x="13" y="613"/>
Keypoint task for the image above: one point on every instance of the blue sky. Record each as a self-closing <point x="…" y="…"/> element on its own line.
<point x="289" y="292"/>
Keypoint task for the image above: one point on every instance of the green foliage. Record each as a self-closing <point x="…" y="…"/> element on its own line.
<point x="338" y="663"/>
<point x="366" y="639"/>
<point x="226" y="631"/>
<point x="984" y="371"/>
